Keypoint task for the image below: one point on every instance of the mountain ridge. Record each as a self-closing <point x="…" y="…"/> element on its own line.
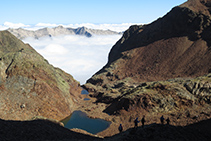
<point x="162" y="68"/>
<point x="30" y="86"/>
<point x="21" y="33"/>
<point x="172" y="46"/>
<point x="154" y="70"/>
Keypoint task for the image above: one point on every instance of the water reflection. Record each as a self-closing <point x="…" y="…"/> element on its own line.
<point x="80" y="120"/>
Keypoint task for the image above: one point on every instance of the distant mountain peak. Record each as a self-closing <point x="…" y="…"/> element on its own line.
<point x="59" y="27"/>
<point x="59" y="30"/>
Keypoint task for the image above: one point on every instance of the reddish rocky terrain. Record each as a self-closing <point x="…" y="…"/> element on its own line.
<point x="184" y="101"/>
<point x="162" y="68"/>
<point x="176" y="45"/>
<point x="30" y="86"/>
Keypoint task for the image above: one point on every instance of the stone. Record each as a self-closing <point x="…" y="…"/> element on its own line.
<point x="22" y="106"/>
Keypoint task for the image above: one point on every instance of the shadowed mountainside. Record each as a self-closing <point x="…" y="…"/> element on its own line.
<point x="30" y="86"/>
<point x="44" y="130"/>
<point x="158" y="132"/>
<point x="38" y="130"/>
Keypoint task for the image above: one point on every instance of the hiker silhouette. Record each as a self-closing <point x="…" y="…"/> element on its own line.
<point x="162" y="119"/>
<point x="168" y="121"/>
<point x="136" y="122"/>
<point x="120" y="128"/>
<point x="143" y="121"/>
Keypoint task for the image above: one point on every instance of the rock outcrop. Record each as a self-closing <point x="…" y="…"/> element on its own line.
<point x="174" y="95"/>
<point x="57" y="31"/>
<point x="30" y="86"/>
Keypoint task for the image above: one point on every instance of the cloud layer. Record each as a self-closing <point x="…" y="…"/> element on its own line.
<point x="114" y="27"/>
<point x="77" y="55"/>
<point x="7" y="25"/>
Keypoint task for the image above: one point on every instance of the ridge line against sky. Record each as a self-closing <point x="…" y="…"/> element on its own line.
<point x="84" y="11"/>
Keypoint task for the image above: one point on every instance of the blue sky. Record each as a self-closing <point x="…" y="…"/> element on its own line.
<point x="84" y="11"/>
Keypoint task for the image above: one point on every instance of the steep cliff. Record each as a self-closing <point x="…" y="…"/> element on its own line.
<point x="30" y="86"/>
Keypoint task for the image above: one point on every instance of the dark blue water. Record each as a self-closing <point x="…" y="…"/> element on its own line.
<point x="84" y="92"/>
<point x="86" y="99"/>
<point x="80" y="120"/>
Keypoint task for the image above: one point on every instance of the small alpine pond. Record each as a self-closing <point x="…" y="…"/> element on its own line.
<point x="84" y="91"/>
<point x="80" y="120"/>
<point x="86" y="99"/>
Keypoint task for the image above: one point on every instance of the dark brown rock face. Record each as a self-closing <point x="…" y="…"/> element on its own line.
<point x="176" y="45"/>
<point x="30" y="86"/>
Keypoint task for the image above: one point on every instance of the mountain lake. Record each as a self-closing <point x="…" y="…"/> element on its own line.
<point x="80" y="120"/>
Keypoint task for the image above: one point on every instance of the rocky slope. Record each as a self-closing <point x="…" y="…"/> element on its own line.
<point x="158" y="69"/>
<point x="176" y="45"/>
<point x="162" y="68"/>
<point x="159" y="96"/>
<point x="60" y="30"/>
<point x="30" y="86"/>
<point x="184" y="100"/>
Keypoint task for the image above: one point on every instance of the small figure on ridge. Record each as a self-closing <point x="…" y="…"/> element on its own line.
<point x="120" y="128"/>
<point x="168" y="121"/>
<point x="143" y="120"/>
<point x="136" y="122"/>
<point x="162" y="119"/>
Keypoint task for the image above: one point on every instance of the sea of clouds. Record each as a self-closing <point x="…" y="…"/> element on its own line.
<point x="78" y="55"/>
<point x="114" y="27"/>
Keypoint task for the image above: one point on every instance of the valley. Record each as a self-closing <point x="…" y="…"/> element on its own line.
<point x="159" y="69"/>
